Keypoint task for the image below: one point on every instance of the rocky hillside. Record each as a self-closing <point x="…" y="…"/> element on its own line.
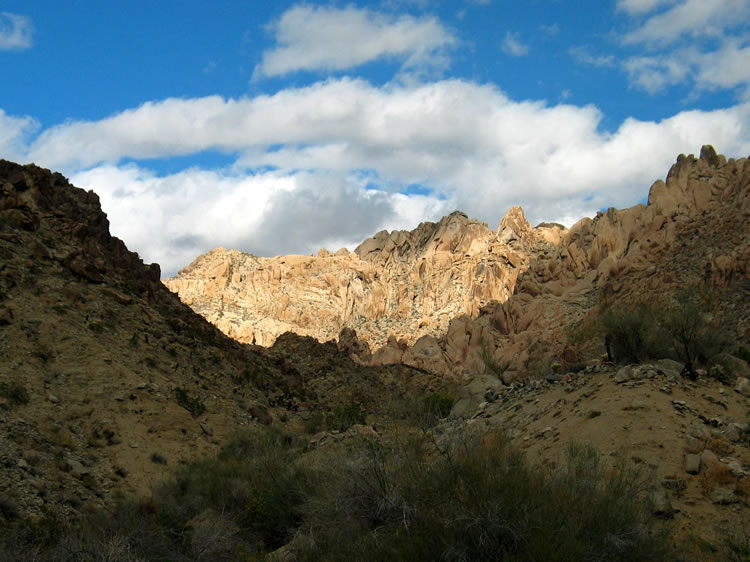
<point x="404" y="283"/>
<point x="694" y="231"/>
<point x="107" y="381"/>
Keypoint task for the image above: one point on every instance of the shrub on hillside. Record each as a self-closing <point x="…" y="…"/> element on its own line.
<point x="632" y="334"/>
<point x="342" y="418"/>
<point x="695" y="338"/>
<point x="15" y="392"/>
<point x="436" y="406"/>
<point x="477" y="503"/>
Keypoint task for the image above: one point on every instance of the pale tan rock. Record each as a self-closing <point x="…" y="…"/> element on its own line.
<point x="409" y="284"/>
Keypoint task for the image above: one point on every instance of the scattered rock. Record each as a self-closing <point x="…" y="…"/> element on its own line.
<point x="260" y="413"/>
<point x="724" y="496"/>
<point x="743" y="386"/>
<point x="206" y="428"/>
<point x="660" y="504"/>
<point x="692" y="464"/>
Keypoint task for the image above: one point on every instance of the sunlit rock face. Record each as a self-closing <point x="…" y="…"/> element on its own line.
<point x="403" y="284"/>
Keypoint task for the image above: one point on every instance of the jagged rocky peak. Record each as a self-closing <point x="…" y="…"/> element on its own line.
<point x="694" y="231"/>
<point x="451" y="233"/>
<point x="403" y="283"/>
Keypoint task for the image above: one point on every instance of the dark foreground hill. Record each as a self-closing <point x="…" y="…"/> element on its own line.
<point x="107" y="381"/>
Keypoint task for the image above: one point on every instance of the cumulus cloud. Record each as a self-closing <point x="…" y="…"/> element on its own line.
<point x="172" y="219"/>
<point x="325" y="38"/>
<point x="703" y="43"/>
<point x="512" y="45"/>
<point x="329" y="164"/>
<point x="692" y="18"/>
<point x="15" y="133"/>
<point x="15" y="31"/>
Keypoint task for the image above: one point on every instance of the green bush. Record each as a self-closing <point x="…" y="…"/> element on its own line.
<point x="633" y="334"/>
<point x="370" y="501"/>
<point x="743" y="353"/>
<point x="15" y="392"/>
<point x="314" y="423"/>
<point x="255" y="482"/>
<point x="696" y="338"/>
<point x="342" y="418"/>
<point x="192" y="404"/>
<point x="478" y="503"/>
<point x="436" y="406"/>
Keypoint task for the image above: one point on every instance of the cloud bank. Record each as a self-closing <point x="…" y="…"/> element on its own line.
<point x="329" y="164"/>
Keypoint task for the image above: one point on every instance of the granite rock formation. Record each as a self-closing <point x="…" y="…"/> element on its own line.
<point x="694" y="231"/>
<point x="406" y="284"/>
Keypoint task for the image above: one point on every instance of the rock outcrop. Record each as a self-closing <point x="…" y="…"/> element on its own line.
<point x="695" y="230"/>
<point x="406" y="284"/>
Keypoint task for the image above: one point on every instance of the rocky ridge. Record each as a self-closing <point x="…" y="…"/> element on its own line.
<point x="399" y="283"/>
<point x="107" y="381"/>
<point x="695" y="230"/>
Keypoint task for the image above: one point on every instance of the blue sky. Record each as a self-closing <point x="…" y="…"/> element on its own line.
<point x="285" y="127"/>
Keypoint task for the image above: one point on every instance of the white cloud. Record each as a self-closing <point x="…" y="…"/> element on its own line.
<point x="15" y="31"/>
<point x="324" y="38"/>
<point x="641" y="6"/>
<point x="582" y="55"/>
<point x="701" y="43"/>
<point x="14" y="135"/>
<point x="723" y="68"/>
<point x="726" y="67"/>
<point x="690" y="18"/>
<point x="654" y="74"/>
<point x="329" y="164"/>
<point x="512" y="45"/>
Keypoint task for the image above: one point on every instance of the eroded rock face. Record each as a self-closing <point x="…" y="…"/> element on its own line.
<point x="694" y="230"/>
<point x="406" y="284"/>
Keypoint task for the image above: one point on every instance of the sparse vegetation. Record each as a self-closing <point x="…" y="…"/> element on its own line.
<point x="682" y="329"/>
<point x="370" y="501"/>
<point x="342" y="418"/>
<point x="436" y="406"/>
<point x="632" y="334"/>
<point x="192" y="404"/>
<point x="695" y="338"/>
<point x="15" y="392"/>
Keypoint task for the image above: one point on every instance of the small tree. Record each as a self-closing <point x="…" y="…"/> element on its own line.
<point x="687" y="320"/>
<point x="631" y="333"/>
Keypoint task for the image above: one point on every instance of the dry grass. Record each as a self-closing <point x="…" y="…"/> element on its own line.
<point x="716" y="477"/>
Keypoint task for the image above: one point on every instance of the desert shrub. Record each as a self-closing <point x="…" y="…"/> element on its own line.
<point x="632" y="334"/>
<point x="743" y="353"/>
<point x="314" y="423"/>
<point x="15" y="392"/>
<point x="436" y="406"/>
<point x="158" y="458"/>
<point x="96" y="327"/>
<point x="342" y="418"/>
<point x="255" y="482"/>
<point x="478" y="503"/>
<point x="696" y="338"/>
<point x="8" y="508"/>
<point x="192" y="404"/>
